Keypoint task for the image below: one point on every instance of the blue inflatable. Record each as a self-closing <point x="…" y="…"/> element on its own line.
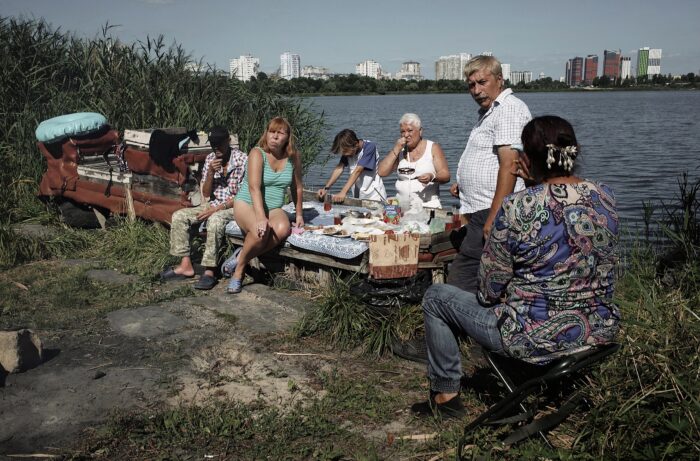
<point x="77" y="124"/>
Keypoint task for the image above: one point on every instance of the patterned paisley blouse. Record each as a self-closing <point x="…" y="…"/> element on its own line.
<point x="549" y="267"/>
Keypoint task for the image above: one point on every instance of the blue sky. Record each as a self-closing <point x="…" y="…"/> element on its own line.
<point x="535" y="35"/>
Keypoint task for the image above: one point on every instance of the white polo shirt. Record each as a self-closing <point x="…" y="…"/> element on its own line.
<point x="477" y="171"/>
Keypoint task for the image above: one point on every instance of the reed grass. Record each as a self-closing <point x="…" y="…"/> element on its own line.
<point x="45" y="72"/>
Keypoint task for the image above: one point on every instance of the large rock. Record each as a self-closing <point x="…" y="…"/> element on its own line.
<point x="19" y="350"/>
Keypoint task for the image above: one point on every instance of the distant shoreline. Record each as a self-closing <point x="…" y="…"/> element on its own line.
<point x="516" y="90"/>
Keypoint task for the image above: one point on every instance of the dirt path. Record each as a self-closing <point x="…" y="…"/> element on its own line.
<point x="170" y="353"/>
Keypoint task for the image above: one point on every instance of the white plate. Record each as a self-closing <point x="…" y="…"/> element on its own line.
<point x="328" y="230"/>
<point x="360" y="221"/>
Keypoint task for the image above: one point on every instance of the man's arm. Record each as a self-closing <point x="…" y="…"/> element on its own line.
<point x="340" y="197"/>
<point x="208" y="177"/>
<point x="337" y="171"/>
<point x="496" y="267"/>
<point x="505" y="184"/>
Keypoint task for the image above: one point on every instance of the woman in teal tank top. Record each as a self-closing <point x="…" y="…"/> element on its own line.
<point x="273" y="165"/>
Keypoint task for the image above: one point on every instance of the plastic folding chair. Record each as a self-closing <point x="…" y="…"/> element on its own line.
<point x="557" y="377"/>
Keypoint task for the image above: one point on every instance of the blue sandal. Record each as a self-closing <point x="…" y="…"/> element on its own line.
<point x="230" y="264"/>
<point x="235" y="286"/>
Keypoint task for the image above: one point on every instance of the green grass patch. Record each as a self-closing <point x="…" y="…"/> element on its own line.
<point x="343" y="320"/>
<point x="51" y="295"/>
<point x="134" y="247"/>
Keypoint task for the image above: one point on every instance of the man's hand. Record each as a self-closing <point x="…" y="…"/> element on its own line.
<point x="454" y="190"/>
<point x="487" y="227"/>
<point x="339" y="197"/>
<point x="216" y="165"/>
<point x="521" y="167"/>
<point x="204" y="215"/>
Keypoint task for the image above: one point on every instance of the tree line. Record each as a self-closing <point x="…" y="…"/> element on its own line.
<point x="357" y="84"/>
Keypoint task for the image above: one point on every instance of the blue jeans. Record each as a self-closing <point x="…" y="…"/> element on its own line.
<point x="449" y="312"/>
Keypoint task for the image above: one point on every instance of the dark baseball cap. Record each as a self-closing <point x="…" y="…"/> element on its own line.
<point x="217" y="135"/>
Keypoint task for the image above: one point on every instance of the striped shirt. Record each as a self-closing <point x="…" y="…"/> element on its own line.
<point x="273" y="186"/>
<point x="477" y="171"/>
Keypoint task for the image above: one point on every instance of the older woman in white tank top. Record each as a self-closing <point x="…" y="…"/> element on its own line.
<point x="420" y="164"/>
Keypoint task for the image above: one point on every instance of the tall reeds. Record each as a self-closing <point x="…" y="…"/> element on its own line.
<point x="45" y="72"/>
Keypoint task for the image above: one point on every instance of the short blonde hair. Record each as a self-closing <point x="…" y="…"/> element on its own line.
<point x="481" y="62"/>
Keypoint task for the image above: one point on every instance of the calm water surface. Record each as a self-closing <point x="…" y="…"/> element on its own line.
<point x="636" y="142"/>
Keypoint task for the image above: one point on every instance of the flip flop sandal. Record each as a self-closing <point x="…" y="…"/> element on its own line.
<point x="170" y="275"/>
<point x="205" y="282"/>
<point x="235" y="286"/>
<point x="230" y="264"/>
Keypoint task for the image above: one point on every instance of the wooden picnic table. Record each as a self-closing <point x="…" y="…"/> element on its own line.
<point x="435" y="252"/>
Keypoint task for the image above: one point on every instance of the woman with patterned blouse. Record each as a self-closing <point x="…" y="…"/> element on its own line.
<point x="546" y="275"/>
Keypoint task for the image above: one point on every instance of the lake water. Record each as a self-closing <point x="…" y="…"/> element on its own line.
<point x="636" y="142"/>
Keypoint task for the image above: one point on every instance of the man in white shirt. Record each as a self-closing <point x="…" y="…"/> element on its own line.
<point x="484" y="173"/>
<point x="484" y="176"/>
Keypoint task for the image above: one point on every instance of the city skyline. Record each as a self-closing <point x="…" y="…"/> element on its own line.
<point x="337" y="35"/>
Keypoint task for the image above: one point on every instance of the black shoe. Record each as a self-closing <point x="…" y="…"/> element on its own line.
<point x="414" y="350"/>
<point x="453" y="408"/>
<point x="205" y="282"/>
<point x="169" y="275"/>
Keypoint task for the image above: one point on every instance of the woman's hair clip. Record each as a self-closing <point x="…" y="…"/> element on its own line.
<point x="567" y="155"/>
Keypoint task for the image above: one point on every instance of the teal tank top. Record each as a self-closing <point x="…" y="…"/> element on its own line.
<point x="274" y="184"/>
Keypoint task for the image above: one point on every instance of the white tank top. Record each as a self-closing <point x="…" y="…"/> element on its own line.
<point x="408" y="186"/>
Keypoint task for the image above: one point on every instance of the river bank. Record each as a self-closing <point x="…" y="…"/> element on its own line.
<point x="139" y="370"/>
<point x="188" y="350"/>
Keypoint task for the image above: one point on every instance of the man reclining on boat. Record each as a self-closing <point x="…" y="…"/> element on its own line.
<point x="221" y="177"/>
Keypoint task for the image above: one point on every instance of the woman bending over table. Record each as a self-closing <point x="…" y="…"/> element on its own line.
<point x="273" y="165"/>
<point x="419" y="163"/>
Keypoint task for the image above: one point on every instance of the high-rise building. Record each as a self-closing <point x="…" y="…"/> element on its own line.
<point x="574" y="71"/>
<point x="611" y="64"/>
<point x="654" y="67"/>
<point x="410" y="70"/>
<point x="315" y="72"/>
<point x="625" y="67"/>
<point x="517" y="76"/>
<point x="648" y="61"/>
<point x="590" y="68"/>
<point x="505" y="69"/>
<point x="451" y="67"/>
<point x="244" y="67"/>
<point x="369" y="68"/>
<point x="642" y="61"/>
<point x="290" y="65"/>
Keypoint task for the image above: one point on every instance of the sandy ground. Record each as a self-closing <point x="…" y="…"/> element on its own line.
<point x="170" y="353"/>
